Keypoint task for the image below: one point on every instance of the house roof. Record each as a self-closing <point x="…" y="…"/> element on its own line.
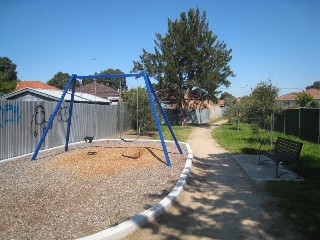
<point x="315" y="93"/>
<point x="34" y="84"/>
<point x="56" y="94"/>
<point x="97" y="89"/>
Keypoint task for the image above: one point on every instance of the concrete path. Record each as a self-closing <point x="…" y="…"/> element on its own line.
<point x="219" y="202"/>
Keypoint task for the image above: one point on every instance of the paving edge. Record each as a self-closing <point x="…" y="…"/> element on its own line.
<point x="139" y="220"/>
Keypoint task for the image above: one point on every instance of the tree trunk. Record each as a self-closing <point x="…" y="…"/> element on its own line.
<point x="185" y="110"/>
<point x="238" y="121"/>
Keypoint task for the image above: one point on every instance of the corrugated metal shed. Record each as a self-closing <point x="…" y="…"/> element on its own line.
<point x="32" y="94"/>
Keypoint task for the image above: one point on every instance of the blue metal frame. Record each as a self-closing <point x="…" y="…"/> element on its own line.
<point x="155" y="115"/>
<point x="44" y="134"/>
<point x="150" y="90"/>
<point x="70" y="114"/>
<point x="163" y="113"/>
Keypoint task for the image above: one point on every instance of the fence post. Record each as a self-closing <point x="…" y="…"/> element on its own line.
<point x="284" y="121"/>
<point x="299" y="121"/>
<point x="319" y="127"/>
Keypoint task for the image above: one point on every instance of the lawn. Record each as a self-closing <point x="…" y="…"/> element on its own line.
<point x="299" y="201"/>
<point x="180" y="132"/>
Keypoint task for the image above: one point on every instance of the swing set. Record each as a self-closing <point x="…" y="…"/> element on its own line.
<point x="89" y="139"/>
<point x="151" y="95"/>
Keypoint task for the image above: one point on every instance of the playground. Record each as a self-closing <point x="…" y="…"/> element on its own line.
<point x="81" y="188"/>
<point x="67" y="195"/>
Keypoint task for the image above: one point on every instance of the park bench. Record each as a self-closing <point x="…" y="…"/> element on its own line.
<point x="285" y="151"/>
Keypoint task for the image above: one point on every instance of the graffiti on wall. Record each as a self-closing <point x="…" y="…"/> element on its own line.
<point x="39" y="118"/>
<point x="9" y="114"/>
<point x="63" y="114"/>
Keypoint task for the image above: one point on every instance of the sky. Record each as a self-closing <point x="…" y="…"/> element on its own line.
<point x="277" y="40"/>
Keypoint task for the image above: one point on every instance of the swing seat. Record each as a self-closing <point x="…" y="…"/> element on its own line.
<point x="88" y="139"/>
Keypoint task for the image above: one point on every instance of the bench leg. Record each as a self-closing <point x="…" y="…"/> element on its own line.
<point x="265" y="160"/>
<point x="277" y="169"/>
<point x="260" y="159"/>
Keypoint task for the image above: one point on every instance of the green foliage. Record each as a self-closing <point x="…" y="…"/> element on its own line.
<point x="8" y="75"/>
<point x="263" y="103"/>
<point x="230" y="101"/>
<point x="255" y="129"/>
<point x="225" y="95"/>
<point x="305" y="99"/>
<point x="257" y="109"/>
<point x="145" y="116"/>
<point x="228" y="98"/>
<point x="238" y="112"/>
<point x="110" y="82"/>
<point x="59" y="80"/>
<point x="315" y="85"/>
<point x="188" y="59"/>
<point x="216" y="120"/>
<point x="298" y="200"/>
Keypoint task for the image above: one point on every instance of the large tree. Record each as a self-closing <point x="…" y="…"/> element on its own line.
<point x="263" y="105"/>
<point x="8" y="75"/>
<point x="59" y="80"/>
<point x="228" y="98"/>
<point x="315" y="85"/>
<point x="139" y="109"/>
<point x="114" y="83"/>
<point x="263" y="102"/>
<point x="188" y="59"/>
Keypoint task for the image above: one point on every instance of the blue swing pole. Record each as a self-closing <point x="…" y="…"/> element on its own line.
<point x="112" y="75"/>
<point x="164" y="115"/>
<point x="70" y="112"/>
<point x="44" y="134"/>
<point x="155" y="115"/>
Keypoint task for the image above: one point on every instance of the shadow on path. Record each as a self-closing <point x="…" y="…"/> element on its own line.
<point x="219" y="202"/>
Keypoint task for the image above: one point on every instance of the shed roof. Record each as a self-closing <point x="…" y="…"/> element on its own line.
<point x="56" y="94"/>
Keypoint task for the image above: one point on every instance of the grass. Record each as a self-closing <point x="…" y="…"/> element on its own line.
<point x="216" y="120"/>
<point x="180" y="132"/>
<point x="299" y="201"/>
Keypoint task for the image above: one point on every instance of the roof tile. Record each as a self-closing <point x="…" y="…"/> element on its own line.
<point x="99" y="90"/>
<point x="315" y="93"/>
<point x="34" y="84"/>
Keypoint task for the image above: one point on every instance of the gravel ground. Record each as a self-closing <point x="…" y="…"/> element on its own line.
<point x="83" y="191"/>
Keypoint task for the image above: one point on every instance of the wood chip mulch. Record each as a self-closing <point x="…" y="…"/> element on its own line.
<point x="84" y="191"/>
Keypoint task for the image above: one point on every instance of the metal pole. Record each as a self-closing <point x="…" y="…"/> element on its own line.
<point x="112" y="75"/>
<point x="44" y="134"/>
<point x="164" y="115"/>
<point x="70" y="113"/>
<point x="155" y="115"/>
<point x="138" y="128"/>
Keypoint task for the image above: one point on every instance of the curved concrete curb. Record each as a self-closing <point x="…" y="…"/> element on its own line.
<point x="139" y="220"/>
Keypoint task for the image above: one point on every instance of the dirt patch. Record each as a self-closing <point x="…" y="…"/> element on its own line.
<point x="96" y="161"/>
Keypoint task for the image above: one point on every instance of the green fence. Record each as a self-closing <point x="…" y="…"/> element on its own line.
<point x="303" y="123"/>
